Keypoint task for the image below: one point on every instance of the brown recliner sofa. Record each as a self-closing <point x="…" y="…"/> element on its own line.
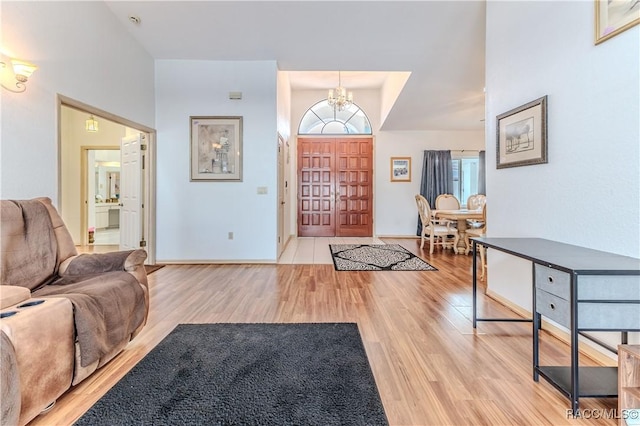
<point x="63" y="315"/>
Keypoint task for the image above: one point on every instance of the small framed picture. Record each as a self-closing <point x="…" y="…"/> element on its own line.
<point x="614" y="17"/>
<point x="216" y="148"/>
<point x="522" y="135"/>
<point x="400" y="169"/>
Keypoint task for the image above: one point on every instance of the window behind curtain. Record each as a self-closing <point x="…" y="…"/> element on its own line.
<point x="465" y="175"/>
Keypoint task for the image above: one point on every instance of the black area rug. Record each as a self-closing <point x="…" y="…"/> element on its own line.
<point x="247" y="374"/>
<point x="376" y="257"/>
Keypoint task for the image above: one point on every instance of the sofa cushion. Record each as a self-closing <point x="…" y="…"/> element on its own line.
<point x="28" y="244"/>
<point x="108" y="308"/>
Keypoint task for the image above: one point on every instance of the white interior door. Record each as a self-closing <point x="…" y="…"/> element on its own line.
<point x="131" y="192"/>
<point x="281" y="199"/>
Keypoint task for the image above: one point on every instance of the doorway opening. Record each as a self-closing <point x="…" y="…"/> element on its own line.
<point x="103" y="187"/>
<point x="103" y="200"/>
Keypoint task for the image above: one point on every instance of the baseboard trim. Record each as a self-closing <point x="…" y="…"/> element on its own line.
<point x="413" y="237"/>
<point x="560" y="334"/>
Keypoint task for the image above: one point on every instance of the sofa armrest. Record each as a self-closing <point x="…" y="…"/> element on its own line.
<point x="12" y="294"/>
<point x="130" y="261"/>
<point x="98" y="263"/>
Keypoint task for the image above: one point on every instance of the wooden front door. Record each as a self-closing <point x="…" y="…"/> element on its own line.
<point x="335" y="182"/>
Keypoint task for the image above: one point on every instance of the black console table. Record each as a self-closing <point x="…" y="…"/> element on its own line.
<point x="581" y="289"/>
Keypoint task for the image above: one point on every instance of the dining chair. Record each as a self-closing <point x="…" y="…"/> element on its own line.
<point x="478" y="232"/>
<point x="432" y="229"/>
<point x="447" y="202"/>
<point x="476" y="202"/>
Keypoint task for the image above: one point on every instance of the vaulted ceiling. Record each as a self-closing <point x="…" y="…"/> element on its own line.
<point x="441" y="43"/>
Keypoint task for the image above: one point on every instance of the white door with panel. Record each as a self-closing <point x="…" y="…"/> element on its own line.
<point x="281" y="197"/>
<point x="131" y="206"/>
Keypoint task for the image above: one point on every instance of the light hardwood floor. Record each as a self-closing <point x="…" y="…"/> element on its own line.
<point x="430" y="366"/>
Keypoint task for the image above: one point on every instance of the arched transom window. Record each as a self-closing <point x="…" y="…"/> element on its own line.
<point x="322" y="119"/>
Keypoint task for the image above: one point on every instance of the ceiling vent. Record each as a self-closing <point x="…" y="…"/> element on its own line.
<point x="235" y="96"/>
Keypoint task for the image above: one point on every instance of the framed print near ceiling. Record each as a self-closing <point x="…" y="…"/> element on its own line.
<point x="216" y="148"/>
<point x="614" y="17"/>
<point x="400" y="169"/>
<point x="522" y="135"/>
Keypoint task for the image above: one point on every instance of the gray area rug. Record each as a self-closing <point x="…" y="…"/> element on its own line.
<point x="376" y="257"/>
<point x="247" y="374"/>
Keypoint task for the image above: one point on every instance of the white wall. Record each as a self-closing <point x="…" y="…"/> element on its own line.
<point x="82" y="52"/>
<point x="589" y="192"/>
<point x="395" y="212"/>
<point x="194" y="218"/>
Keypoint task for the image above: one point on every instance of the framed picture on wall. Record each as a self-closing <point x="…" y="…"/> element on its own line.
<point x="614" y="17"/>
<point x="522" y="135"/>
<point x="216" y="148"/>
<point x="400" y="169"/>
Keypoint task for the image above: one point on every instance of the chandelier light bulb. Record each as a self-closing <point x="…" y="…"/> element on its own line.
<point x="339" y="98"/>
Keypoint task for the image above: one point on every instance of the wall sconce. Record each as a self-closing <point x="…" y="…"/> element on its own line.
<point x="21" y="72"/>
<point x="91" y="125"/>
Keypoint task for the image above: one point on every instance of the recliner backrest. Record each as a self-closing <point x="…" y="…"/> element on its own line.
<point x="33" y="242"/>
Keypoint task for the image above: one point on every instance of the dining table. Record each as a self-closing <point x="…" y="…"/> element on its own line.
<point x="460" y="217"/>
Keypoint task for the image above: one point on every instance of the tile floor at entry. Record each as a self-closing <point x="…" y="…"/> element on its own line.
<point x="315" y="250"/>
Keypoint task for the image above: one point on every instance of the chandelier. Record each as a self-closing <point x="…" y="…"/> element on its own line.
<point x="339" y="98"/>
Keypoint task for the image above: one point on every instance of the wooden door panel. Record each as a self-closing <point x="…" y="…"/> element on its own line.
<point x="316" y="187"/>
<point x="354" y="183"/>
<point x="335" y="187"/>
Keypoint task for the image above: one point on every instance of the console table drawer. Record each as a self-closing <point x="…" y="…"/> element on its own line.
<point x="608" y="316"/>
<point x="591" y="316"/>
<point x="553" y="307"/>
<point x="553" y="281"/>
<point x="609" y="287"/>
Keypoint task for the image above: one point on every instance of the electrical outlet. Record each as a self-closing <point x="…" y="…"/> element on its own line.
<point x="262" y="190"/>
<point x="231" y="235"/>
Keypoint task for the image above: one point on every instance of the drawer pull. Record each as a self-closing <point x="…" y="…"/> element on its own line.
<point x="550" y="279"/>
<point x="552" y="306"/>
